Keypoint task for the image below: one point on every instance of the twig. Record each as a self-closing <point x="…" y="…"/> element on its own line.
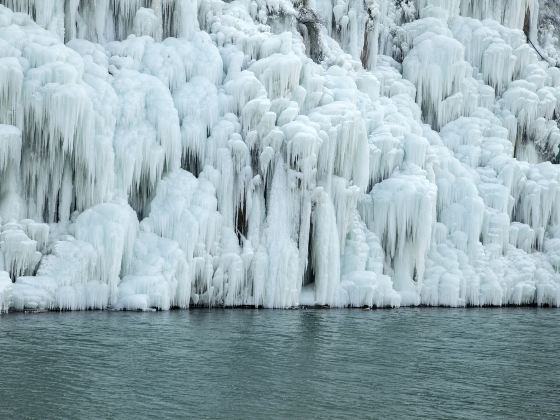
<point x="549" y="61"/>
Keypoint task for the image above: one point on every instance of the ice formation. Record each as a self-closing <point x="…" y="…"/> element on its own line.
<point x="277" y="153"/>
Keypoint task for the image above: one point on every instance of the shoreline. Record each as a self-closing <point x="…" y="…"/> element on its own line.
<point x="295" y="308"/>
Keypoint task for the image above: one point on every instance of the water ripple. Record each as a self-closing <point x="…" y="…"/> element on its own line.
<point x="406" y="363"/>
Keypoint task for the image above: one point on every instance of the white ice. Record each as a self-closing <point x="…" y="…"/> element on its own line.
<point x="159" y="154"/>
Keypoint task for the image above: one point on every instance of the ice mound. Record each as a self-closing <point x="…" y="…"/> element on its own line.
<point x="158" y="154"/>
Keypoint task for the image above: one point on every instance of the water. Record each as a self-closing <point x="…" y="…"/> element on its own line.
<point x="444" y="363"/>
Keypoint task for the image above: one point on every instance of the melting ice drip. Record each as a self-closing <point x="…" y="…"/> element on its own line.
<point x="167" y="153"/>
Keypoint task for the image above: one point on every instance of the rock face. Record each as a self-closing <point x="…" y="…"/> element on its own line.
<point x="167" y="153"/>
<point x="549" y="29"/>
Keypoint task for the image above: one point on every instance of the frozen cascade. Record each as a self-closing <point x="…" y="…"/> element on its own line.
<point x="158" y="154"/>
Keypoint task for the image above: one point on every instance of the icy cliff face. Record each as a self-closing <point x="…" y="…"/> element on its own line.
<point x="549" y="29"/>
<point x="167" y="153"/>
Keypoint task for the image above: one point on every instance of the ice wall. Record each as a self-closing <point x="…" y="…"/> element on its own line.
<point x="168" y="153"/>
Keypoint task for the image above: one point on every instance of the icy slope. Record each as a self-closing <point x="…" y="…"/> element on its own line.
<point x="165" y="153"/>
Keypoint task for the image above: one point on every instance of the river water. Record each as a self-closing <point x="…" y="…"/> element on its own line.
<point x="403" y="363"/>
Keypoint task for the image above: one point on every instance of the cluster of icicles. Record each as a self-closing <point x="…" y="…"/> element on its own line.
<point x="170" y="153"/>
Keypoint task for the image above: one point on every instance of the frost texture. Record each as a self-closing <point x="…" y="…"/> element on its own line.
<point x="168" y="153"/>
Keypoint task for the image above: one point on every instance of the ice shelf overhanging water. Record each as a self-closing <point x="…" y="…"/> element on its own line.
<point x="167" y="153"/>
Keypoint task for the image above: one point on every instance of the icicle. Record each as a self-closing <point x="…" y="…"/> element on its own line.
<point x="11" y="79"/>
<point x="282" y="286"/>
<point x="435" y="65"/>
<point x="401" y="213"/>
<point x="5" y="292"/>
<point x="146" y="22"/>
<point x="20" y="253"/>
<point x="111" y="229"/>
<point x="10" y="148"/>
<point x="279" y="73"/>
<point x="326" y="250"/>
<point x="159" y="276"/>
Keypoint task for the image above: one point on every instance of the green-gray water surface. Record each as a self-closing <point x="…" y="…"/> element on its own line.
<point x="404" y="363"/>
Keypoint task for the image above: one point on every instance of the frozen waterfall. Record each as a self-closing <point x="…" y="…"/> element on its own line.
<point x="277" y="153"/>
